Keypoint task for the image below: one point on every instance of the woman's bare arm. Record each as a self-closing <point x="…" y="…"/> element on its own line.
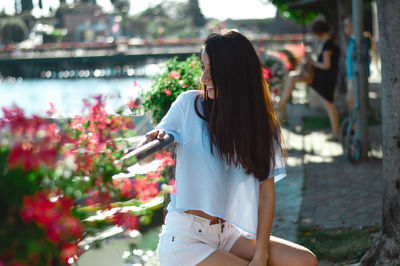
<point x="326" y="61"/>
<point x="266" y="210"/>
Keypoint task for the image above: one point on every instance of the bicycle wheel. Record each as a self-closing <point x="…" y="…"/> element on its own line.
<point x="344" y="138"/>
<point x="354" y="151"/>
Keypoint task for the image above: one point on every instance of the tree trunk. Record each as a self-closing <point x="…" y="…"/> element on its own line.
<point x="386" y="249"/>
<point x="343" y="11"/>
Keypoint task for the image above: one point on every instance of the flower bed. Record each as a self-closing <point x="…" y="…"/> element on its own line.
<point x="54" y="175"/>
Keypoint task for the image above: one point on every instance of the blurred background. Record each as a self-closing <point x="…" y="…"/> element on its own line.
<point x="64" y="51"/>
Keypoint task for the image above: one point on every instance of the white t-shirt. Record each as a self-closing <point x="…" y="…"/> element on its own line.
<point x="204" y="181"/>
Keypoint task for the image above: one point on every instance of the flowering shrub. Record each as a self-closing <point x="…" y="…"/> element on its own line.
<point x="277" y="74"/>
<point x="166" y="87"/>
<point x="53" y="175"/>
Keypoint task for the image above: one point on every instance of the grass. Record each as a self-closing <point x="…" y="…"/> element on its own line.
<point x="322" y="121"/>
<point x="337" y="245"/>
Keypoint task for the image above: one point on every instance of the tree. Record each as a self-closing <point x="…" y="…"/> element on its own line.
<point x="386" y="249"/>
<point x="13" y="30"/>
<point x="193" y="11"/>
<point x="121" y="5"/>
<point x="26" y="5"/>
<point x="299" y="14"/>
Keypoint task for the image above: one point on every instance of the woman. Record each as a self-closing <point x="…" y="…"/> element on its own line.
<point x="324" y="78"/>
<point x="229" y="139"/>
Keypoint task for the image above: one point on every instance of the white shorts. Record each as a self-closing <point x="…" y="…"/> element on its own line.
<point x="188" y="239"/>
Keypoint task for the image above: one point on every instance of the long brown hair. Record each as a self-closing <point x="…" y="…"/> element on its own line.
<point x="242" y="124"/>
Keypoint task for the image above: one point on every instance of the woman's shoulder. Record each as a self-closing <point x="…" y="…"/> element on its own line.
<point x="190" y="93"/>
<point x="187" y="97"/>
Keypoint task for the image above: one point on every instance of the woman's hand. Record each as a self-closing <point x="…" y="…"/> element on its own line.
<point x="309" y="60"/>
<point x="259" y="260"/>
<point x="151" y="135"/>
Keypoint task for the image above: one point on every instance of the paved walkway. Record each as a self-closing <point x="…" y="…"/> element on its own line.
<point x="337" y="193"/>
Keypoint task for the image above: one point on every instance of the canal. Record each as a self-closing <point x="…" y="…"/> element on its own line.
<point x="67" y="95"/>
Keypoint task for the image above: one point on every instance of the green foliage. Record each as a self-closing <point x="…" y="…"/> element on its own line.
<point x="193" y="10"/>
<point x="167" y="19"/>
<point x="300" y="15"/>
<point x="13" y="30"/>
<point x="337" y="245"/>
<point x="166" y="87"/>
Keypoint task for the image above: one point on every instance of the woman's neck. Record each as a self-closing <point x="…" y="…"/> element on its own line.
<point x="325" y="37"/>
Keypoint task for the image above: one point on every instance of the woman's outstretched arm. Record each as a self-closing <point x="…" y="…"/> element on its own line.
<point x="266" y="210"/>
<point x="326" y="61"/>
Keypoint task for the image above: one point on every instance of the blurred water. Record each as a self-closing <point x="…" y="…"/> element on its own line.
<point x="34" y="96"/>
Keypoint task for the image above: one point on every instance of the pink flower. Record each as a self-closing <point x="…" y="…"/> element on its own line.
<point x="173" y="183"/>
<point x="167" y="92"/>
<point x="184" y="86"/>
<point x="267" y="74"/>
<point x="174" y="74"/>
<point x="52" y="110"/>
<point x="135" y="83"/>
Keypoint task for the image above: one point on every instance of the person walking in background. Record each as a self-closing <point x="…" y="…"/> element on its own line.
<point x="348" y="30"/>
<point x="229" y="156"/>
<point x="325" y="71"/>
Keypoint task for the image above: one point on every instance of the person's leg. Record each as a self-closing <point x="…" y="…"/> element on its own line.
<point x="350" y="93"/>
<point x="333" y="117"/>
<point x="281" y="253"/>
<point x="222" y="257"/>
<point x="287" y="90"/>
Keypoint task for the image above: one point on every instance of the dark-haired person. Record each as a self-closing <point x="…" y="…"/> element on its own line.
<point x="348" y="30"/>
<point x="325" y="75"/>
<point x="229" y="156"/>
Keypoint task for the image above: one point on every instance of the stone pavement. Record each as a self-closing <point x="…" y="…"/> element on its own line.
<point x="337" y="193"/>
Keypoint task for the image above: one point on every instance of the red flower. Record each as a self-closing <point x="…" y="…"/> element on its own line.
<point x="126" y="185"/>
<point x="133" y="105"/>
<point x="73" y="226"/>
<point x="53" y="215"/>
<point x="55" y="231"/>
<point x="154" y="176"/>
<point x="98" y="197"/>
<point x="145" y="189"/>
<point x="174" y="74"/>
<point x="135" y="83"/>
<point x="68" y="251"/>
<point x="167" y="92"/>
<point x="29" y="156"/>
<point x="126" y="220"/>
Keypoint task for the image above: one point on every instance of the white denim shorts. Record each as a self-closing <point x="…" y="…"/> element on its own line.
<point x="188" y="239"/>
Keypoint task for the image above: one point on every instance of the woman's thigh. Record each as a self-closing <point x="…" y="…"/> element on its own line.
<point x="222" y="257"/>
<point x="281" y="252"/>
